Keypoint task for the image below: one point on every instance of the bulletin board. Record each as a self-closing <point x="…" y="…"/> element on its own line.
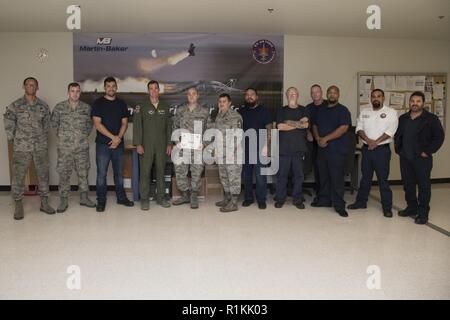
<point x="398" y="88"/>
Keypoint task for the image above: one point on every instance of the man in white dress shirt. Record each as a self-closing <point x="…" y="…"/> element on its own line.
<point x="376" y="126"/>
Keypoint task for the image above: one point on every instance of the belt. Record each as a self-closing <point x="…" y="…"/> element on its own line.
<point x="379" y="146"/>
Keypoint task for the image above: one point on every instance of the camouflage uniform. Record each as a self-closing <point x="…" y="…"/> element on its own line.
<point x="184" y="119"/>
<point x="73" y="126"/>
<point x="230" y="174"/>
<point x="27" y="126"/>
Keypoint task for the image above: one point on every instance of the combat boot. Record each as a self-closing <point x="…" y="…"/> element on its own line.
<point x="185" y="198"/>
<point x="226" y="199"/>
<point x="194" y="200"/>
<point x="18" y="211"/>
<point x="63" y="205"/>
<point x="85" y="201"/>
<point x="163" y="203"/>
<point x="232" y="205"/>
<point x="45" y="207"/>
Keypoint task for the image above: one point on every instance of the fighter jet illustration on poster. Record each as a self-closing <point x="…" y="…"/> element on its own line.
<point x="155" y="63"/>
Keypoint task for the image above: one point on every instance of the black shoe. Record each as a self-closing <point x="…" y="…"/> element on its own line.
<point x="356" y="205"/>
<point x="279" y="204"/>
<point x="408" y="212"/>
<point x="299" y="204"/>
<point x="262" y="205"/>
<point x="421" y="220"/>
<point x="247" y="203"/>
<point x="100" y="207"/>
<point x="342" y="213"/>
<point x="125" y="202"/>
<point x="320" y="205"/>
<point x="387" y="213"/>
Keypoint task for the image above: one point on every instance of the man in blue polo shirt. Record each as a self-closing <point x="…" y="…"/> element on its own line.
<point x="110" y="117"/>
<point x="329" y="130"/>
<point x="255" y="117"/>
<point x="317" y="102"/>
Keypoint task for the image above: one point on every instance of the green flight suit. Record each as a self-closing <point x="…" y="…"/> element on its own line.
<point x="152" y="128"/>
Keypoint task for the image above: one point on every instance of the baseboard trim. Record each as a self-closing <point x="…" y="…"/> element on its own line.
<point x="306" y="184"/>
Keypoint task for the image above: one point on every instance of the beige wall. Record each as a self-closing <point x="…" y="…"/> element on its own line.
<point x="327" y="61"/>
<point x="18" y="60"/>
<point x="307" y="60"/>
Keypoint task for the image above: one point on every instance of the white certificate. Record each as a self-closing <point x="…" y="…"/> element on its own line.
<point x="190" y="140"/>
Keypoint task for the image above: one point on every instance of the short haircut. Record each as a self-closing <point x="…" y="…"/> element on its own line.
<point x="109" y="79"/>
<point x="253" y="89"/>
<point x="30" y="78"/>
<point x="316" y="85"/>
<point x="193" y="88"/>
<point x="225" y="95"/>
<point x="73" y="84"/>
<point x="377" y="90"/>
<point x="152" y="82"/>
<point x="292" y="88"/>
<point x="333" y="87"/>
<point x="417" y="94"/>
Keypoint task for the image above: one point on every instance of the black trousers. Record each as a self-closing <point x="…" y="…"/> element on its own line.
<point x="314" y="152"/>
<point x="416" y="173"/>
<point x="378" y="161"/>
<point x="331" y="167"/>
<point x="288" y="162"/>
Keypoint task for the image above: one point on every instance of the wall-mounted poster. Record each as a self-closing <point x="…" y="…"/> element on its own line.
<point x="214" y="63"/>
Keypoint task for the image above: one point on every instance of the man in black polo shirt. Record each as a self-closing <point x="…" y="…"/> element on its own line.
<point x="329" y="130"/>
<point x="110" y="117"/>
<point x="419" y="135"/>
<point x="312" y="108"/>
<point x="255" y="117"/>
<point x="292" y="122"/>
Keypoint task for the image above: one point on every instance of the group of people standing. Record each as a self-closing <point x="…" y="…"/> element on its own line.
<point x="321" y="129"/>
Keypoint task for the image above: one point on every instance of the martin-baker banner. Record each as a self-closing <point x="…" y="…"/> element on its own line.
<point x="214" y="63"/>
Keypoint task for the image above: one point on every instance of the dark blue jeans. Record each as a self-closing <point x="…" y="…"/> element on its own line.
<point x="103" y="156"/>
<point x="378" y="161"/>
<point x="288" y="162"/>
<point x="261" y="182"/>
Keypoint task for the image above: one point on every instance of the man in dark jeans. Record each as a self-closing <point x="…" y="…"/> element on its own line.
<point x="110" y="117"/>
<point x="292" y="123"/>
<point x="419" y="135"/>
<point x="255" y="117"/>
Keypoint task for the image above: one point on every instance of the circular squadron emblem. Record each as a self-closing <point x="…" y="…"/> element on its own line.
<point x="263" y="51"/>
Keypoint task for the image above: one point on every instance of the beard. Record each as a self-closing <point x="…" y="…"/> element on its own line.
<point x="250" y="104"/>
<point x="376" y="104"/>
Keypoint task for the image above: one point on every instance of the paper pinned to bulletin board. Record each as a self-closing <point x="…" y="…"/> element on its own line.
<point x="398" y="88"/>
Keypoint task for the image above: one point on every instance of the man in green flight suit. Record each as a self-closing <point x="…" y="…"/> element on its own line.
<point x="152" y="129"/>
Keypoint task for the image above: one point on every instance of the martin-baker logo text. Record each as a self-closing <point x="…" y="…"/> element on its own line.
<point x="103" y="45"/>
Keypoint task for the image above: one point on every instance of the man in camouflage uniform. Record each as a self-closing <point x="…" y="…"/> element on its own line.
<point x="27" y="121"/>
<point x="152" y="129"/>
<point x="187" y="117"/>
<point x="72" y="122"/>
<point x="226" y="121"/>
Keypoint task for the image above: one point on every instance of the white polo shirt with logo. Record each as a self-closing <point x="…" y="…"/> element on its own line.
<point x="376" y="122"/>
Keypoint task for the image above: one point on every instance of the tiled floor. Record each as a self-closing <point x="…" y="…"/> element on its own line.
<point x="440" y="203"/>
<point x="178" y="253"/>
